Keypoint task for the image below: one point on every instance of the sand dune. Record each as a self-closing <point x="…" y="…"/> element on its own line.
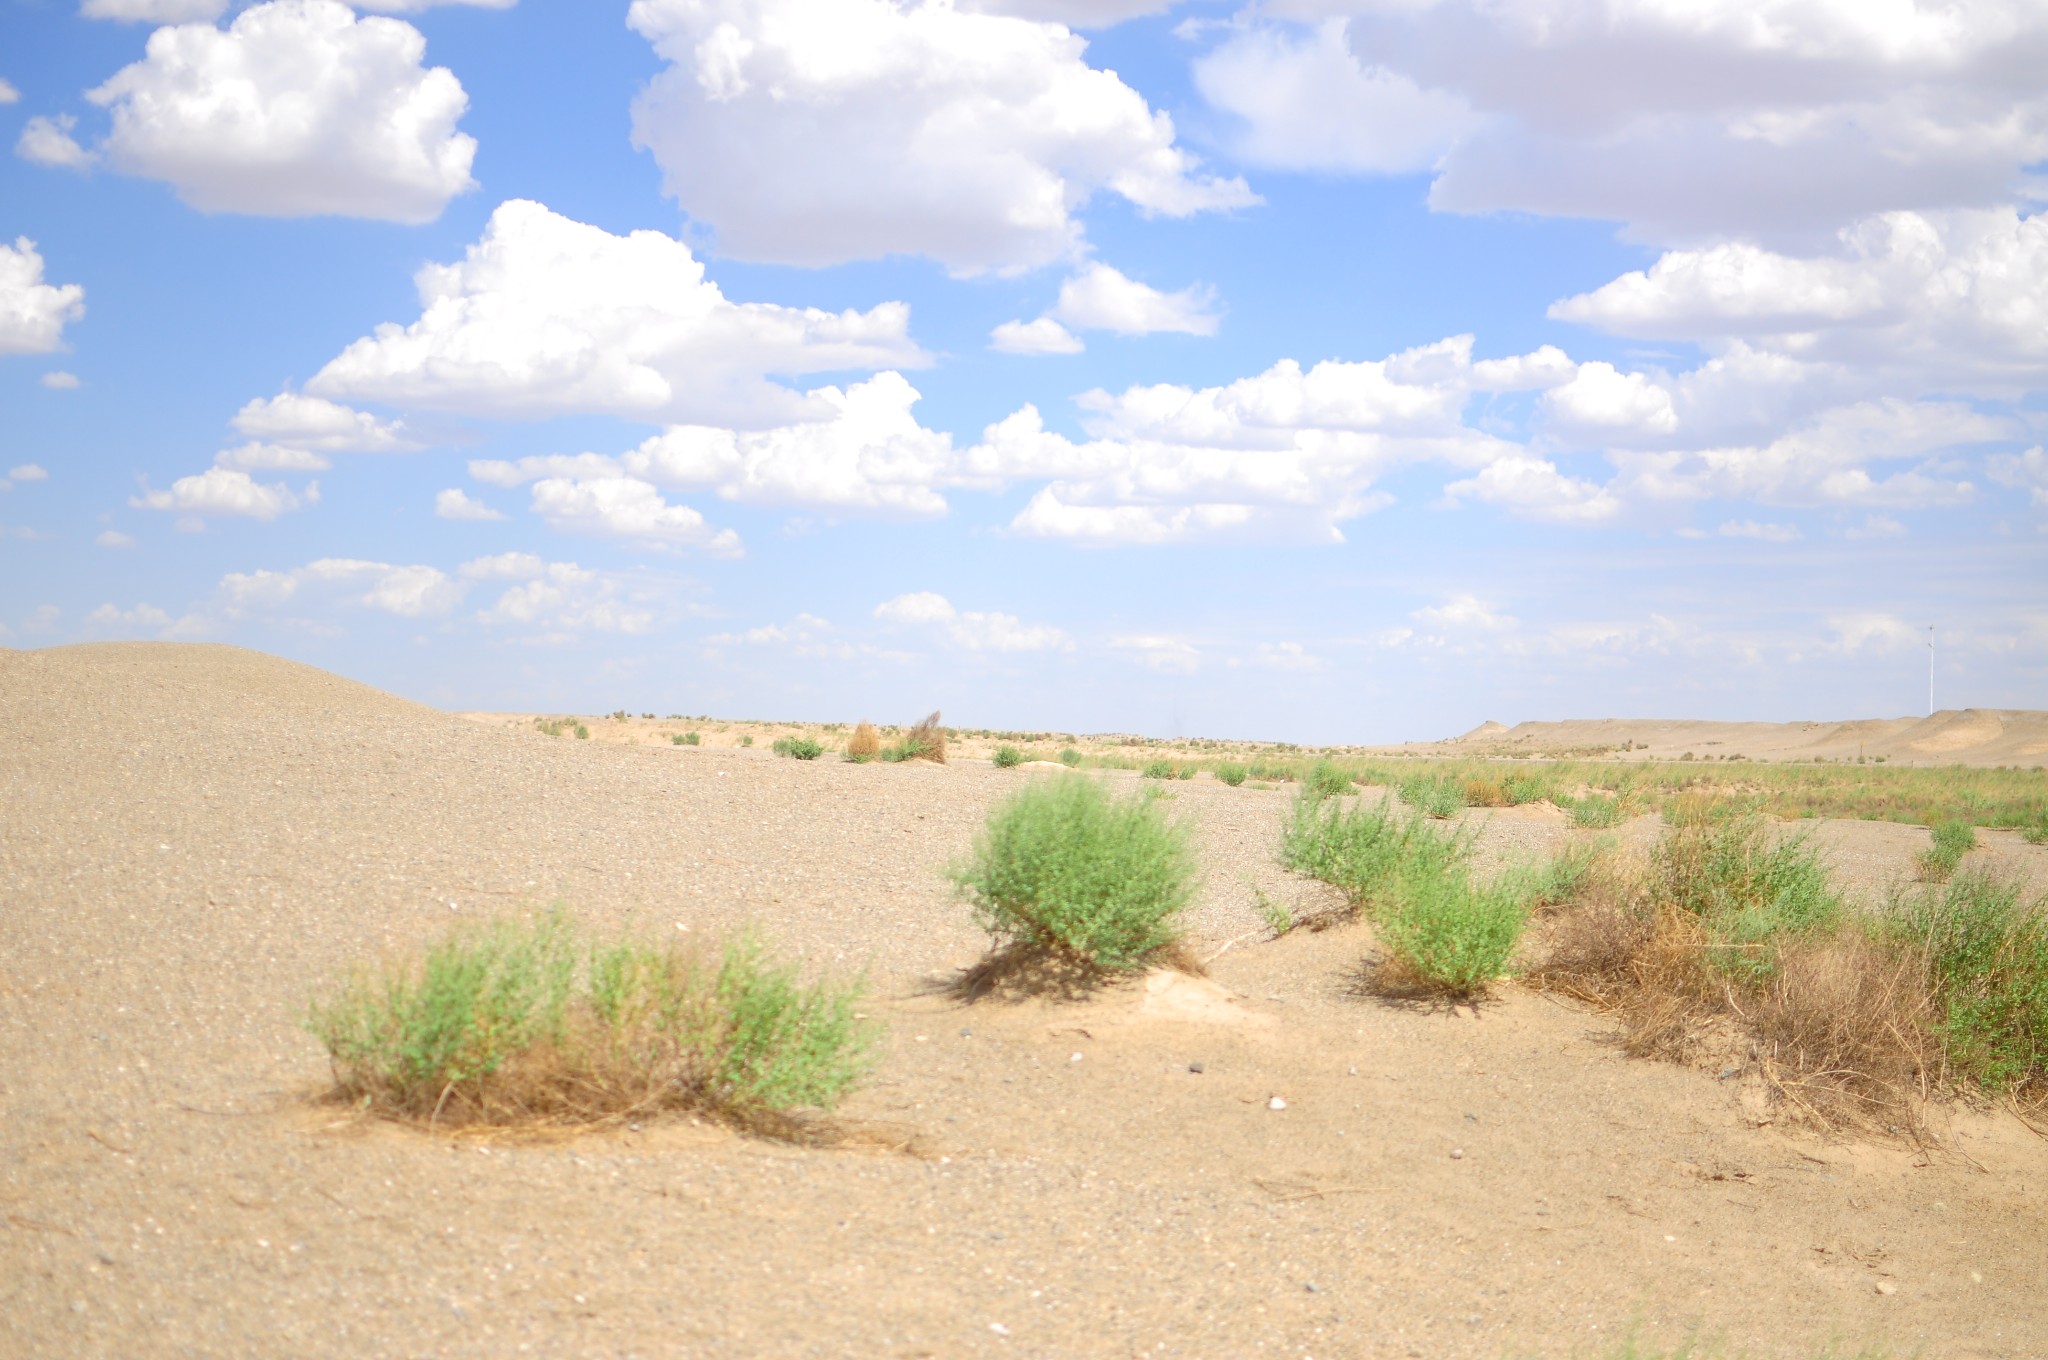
<point x="194" y="839"/>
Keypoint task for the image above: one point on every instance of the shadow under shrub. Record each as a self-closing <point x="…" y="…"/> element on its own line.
<point x="511" y="1024"/>
<point x="1094" y="882"/>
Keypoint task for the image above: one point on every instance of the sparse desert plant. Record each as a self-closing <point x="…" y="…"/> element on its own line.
<point x="1184" y="771"/>
<point x="1070" y="758"/>
<point x="747" y="739"/>
<point x="798" y="748"/>
<point x="1594" y="812"/>
<point x="1952" y="840"/>
<point x="582" y="732"/>
<point x="688" y="739"/>
<point x="1751" y="888"/>
<point x="1231" y="773"/>
<point x="1986" y="951"/>
<point x="1522" y="788"/>
<point x="508" y="1023"/>
<point x="1434" y="796"/>
<point x="1486" y="793"/>
<point x="1326" y="779"/>
<point x="1064" y="870"/>
<point x="1008" y="758"/>
<point x="1158" y="769"/>
<point x="1276" y="916"/>
<point x="926" y="740"/>
<point x="865" y="743"/>
<point x="1448" y="933"/>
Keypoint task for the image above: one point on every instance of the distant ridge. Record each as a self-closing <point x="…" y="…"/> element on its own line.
<point x="1969" y="736"/>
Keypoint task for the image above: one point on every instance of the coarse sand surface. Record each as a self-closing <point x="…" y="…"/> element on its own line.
<point x="195" y="839"/>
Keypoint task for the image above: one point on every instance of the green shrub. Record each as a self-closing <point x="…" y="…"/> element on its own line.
<point x="747" y="739"/>
<point x="1325" y="779"/>
<point x="1952" y="840"/>
<point x="1231" y="773"/>
<point x="1070" y="758"/>
<point x="1064" y="868"/>
<point x="1522" y="789"/>
<point x="687" y="739"/>
<point x="1594" y="812"/>
<point x="511" y="1024"/>
<point x="1184" y="772"/>
<point x="1987" y="963"/>
<point x="1451" y="934"/>
<point x="1441" y="929"/>
<point x="798" y="748"/>
<point x="1158" y="769"/>
<point x="582" y="732"/>
<point x="1008" y="757"/>
<point x="1752" y="889"/>
<point x="1438" y="796"/>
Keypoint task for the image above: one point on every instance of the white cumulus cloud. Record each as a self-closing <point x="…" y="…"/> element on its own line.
<point x="817" y="131"/>
<point x="560" y="597"/>
<point x="1043" y="336"/>
<point x="871" y="455"/>
<point x="48" y="140"/>
<point x="406" y="591"/>
<point x="227" y="491"/>
<point x="33" y="313"/>
<point x="1738" y="118"/>
<point x="57" y="380"/>
<point x="547" y="316"/>
<point x="2026" y="472"/>
<point x="8" y="94"/>
<point x="315" y="423"/>
<point x="257" y="456"/>
<point x="455" y="503"/>
<point x="1100" y="298"/>
<point x="630" y="509"/>
<point x="1462" y="612"/>
<point x="298" y="108"/>
<point x="1304" y="101"/>
<point x="1956" y="299"/>
<point x="969" y="629"/>
<point x="154" y="11"/>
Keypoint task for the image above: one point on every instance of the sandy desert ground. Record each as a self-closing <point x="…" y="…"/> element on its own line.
<point x="193" y="839"/>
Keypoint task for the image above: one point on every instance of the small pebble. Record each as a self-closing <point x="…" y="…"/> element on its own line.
<point x="1195" y="1068"/>
<point x="1276" y="1103"/>
<point x="1457" y="1154"/>
<point x="1075" y="1058"/>
<point x="999" y="1329"/>
<point x="1312" y="1289"/>
<point x="1887" y="1287"/>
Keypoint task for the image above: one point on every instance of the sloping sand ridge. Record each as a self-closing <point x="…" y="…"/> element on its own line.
<point x="193" y="839"/>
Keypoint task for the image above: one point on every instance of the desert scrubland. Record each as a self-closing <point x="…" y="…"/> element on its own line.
<point x="1275" y="1159"/>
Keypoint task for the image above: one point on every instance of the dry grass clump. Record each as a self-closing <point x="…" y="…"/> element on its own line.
<point x="925" y="741"/>
<point x="511" y="1024"/>
<point x="1728" y="946"/>
<point x="865" y="743"/>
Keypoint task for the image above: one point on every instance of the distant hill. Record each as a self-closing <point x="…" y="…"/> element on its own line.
<point x="1969" y="736"/>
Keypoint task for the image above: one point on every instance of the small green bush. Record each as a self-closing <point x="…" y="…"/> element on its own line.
<point x="1064" y="868"/>
<point x="747" y="739"/>
<point x="1325" y="779"/>
<point x="1987" y="962"/>
<point x="582" y="732"/>
<point x="1070" y="758"/>
<point x="1365" y="850"/>
<point x="1008" y="757"/>
<point x="1594" y="812"/>
<point x="1753" y="889"/>
<point x="1232" y="773"/>
<point x="1451" y="934"/>
<point x="1434" y="796"/>
<point x="1184" y="772"/>
<point x="505" y="1023"/>
<point x="688" y="739"/>
<point x="1158" y="769"/>
<point x="798" y="748"/>
<point x="1952" y="840"/>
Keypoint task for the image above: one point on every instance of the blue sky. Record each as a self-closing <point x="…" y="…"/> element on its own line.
<point x="1320" y="370"/>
